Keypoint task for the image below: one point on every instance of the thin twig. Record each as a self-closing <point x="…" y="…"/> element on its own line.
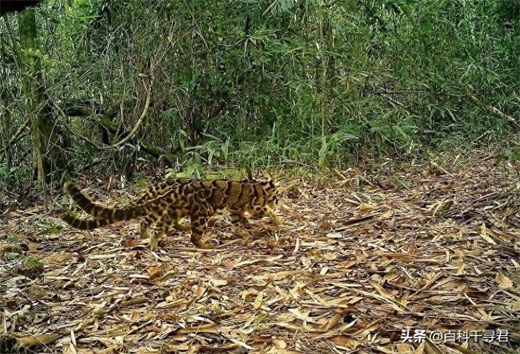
<point x="141" y="119"/>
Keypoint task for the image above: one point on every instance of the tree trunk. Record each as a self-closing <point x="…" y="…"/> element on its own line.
<point x="46" y="143"/>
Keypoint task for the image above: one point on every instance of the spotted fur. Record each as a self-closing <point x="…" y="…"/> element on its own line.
<point x="168" y="202"/>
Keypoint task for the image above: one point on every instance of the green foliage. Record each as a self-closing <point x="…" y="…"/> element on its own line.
<point x="11" y="256"/>
<point x="509" y="154"/>
<point x="50" y="229"/>
<point x="8" y="174"/>
<point x="512" y="154"/>
<point x="292" y="82"/>
<point x="32" y="262"/>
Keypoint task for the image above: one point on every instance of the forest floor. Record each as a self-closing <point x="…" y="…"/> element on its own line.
<point x="415" y="257"/>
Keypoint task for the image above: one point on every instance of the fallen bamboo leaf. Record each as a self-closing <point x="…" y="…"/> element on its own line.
<point x="208" y="328"/>
<point x="353" y="264"/>
<point x="279" y="344"/>
<point x="332" y="322"/>
<point x="345" y="342"/>
<point x="259" y="300"/>
<point x="503" y="281"/>
<point x="39" y="340"/>
<point x="484" y="234"/>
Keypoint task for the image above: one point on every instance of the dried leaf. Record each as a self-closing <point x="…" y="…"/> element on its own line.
<point x="503" y="281"/>
<point x="228" y="265"/>
<point x="259" y="300"/>
<point x="484" y="234"/>
<point x="131" y="243"/>
<point x="350" y="265"/>
<point x="365" y="207"/>
<point x="345" y="341"/>
<point x="332" y="322"/>
<point x="279" y="344"/>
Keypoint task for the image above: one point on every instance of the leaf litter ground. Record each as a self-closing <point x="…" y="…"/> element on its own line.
<point x="366" y="262"/>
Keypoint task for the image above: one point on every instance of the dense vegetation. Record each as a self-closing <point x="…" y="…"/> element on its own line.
<point x="420" y="238"/>
<point x="113" y="86"/>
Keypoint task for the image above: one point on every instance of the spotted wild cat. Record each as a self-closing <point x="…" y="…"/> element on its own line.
<point x="168" y="202"/>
